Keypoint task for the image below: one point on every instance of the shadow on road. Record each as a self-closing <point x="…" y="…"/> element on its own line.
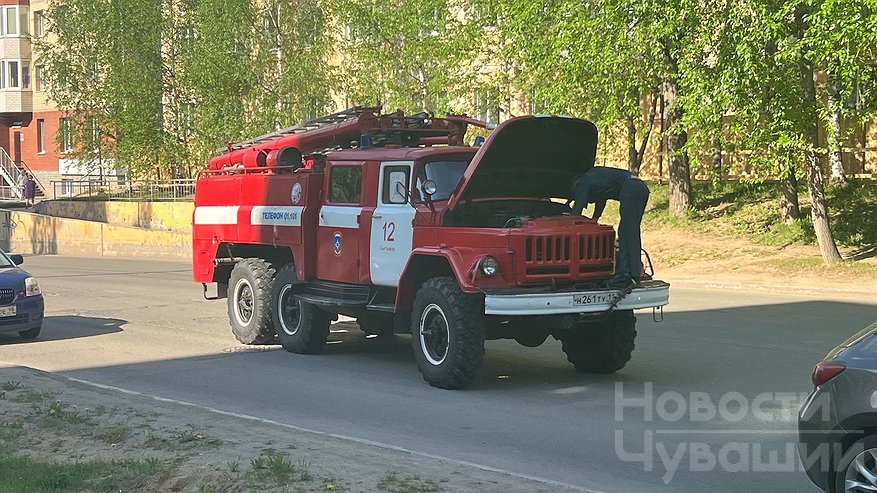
<point x="58" y="328"/>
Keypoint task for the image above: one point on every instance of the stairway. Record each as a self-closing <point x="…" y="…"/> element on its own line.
<point x="10" y="171"/>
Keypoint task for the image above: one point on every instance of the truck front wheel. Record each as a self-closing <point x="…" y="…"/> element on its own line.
<point x="301" y="327"/>
<point x="249" y="298"/>
<point x="447" y="333"/>
<point x="601" y="347"/>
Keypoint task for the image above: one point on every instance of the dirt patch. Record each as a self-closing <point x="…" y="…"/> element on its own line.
<point x="183" y="448"/>
<point x="688" y="257"/>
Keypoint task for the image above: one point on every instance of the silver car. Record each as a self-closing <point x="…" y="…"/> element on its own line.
<point x="837" y="425"/>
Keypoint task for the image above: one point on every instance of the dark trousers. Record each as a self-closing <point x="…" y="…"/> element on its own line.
<point x="633" y="197"/>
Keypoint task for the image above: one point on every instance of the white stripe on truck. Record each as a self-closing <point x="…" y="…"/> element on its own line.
<point x="216" y="214"/>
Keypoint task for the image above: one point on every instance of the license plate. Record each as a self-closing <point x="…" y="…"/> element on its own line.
<point x="585" y="299"/>
<point x="7" y="311"/>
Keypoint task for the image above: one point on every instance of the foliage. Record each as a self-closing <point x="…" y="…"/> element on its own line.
<point x="156" y="87"/>
<point x="409" y="55"/>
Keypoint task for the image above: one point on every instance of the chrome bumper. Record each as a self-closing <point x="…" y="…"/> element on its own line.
<point x="521" y="302"/>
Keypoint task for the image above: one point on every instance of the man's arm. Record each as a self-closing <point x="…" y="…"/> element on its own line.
<point x="581" y="191"/>
<point x="598" y="209"/>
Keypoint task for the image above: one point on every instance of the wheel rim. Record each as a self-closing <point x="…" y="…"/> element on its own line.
<point x="861" y="475"/>
<point x="289" y="310"/>
<point x="435" y="334"/>
<point x="244" y="301"/>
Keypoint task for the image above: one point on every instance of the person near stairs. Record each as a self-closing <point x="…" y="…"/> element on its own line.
<point x="30" y="189"/>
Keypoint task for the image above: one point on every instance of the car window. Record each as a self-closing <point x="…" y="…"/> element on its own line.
<point x="445" y="174"/>
<point x="5" y="261"/>
<point x="345" y="184"/>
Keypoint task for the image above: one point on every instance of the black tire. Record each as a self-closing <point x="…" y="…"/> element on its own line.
<point x="448" y="328"/>
<point x="249" y="301"/>
<point x="301" y="327"/>
<point x="847" y="465"/>
<point x="601" y="347"/>
<point x="31" y="333"/>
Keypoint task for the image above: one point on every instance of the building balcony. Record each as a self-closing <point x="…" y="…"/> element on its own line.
<point x="16" y="101"/>
<point x="15" y="47"/>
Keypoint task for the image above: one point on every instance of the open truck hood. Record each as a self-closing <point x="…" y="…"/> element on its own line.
<point x="530" y="156"/>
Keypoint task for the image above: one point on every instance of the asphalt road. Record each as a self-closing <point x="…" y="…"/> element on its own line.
<point x="707" y="404"/>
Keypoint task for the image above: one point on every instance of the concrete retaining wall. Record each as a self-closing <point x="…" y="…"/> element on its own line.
<point x="165" y="216"/>
<point x="25" y="232"/>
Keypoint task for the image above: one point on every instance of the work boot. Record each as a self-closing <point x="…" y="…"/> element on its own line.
<point x="621" y="282"/>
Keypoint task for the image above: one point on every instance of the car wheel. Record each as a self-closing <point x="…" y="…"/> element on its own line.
<point x="447" y="333"/>
<point x="301" y="327"/>
<point x="601" y="347"/>
<point x="857" y="469"/>
<point x="30" y="333"/>
<point x="249" y="301"/>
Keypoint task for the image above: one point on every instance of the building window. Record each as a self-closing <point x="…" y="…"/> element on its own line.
<point x="25" y="75"/>
<point x="10" y="21"/>
<point x="39" y="74"/>
<point x="41" y="136"/>
<point x="39" y="23"/>
<point x="66" y="130"/>
<point x="13" y="20"/>
<point x="22" y="15"/>
<point x="12" y="75"/>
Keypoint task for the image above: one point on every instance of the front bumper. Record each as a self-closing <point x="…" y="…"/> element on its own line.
<point x="569" y="301"/>
<point x="29" y="314"/>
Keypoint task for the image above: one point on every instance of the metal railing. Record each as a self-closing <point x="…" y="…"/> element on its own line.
<point x="11" y="173"/>
<point x="9" y="193"/>
<point x="121" y="189"/>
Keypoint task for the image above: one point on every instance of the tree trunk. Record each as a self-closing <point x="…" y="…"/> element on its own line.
<point x="641" y="152"/>
<point x="716" y="161"/>
<point x="835" y="158"/>
<point x="789" y="207"/>
<point x="632" y="164"/>
<point x="812" y="168"/>
<point x="679" y="179"/>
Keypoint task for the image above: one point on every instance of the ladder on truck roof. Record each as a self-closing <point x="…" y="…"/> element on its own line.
<point x="314" y="124"/>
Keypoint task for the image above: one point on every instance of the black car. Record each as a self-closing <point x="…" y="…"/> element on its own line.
<point x="21" y="301"/>
<point x="837" y="425"/>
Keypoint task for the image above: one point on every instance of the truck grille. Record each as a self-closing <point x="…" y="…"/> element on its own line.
<point x="582" y="256"/>
<point x="6" y="296"/>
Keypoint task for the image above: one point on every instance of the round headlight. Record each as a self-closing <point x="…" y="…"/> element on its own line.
<point x="489" y="266"/>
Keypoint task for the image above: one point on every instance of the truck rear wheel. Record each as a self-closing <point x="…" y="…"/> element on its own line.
<point x="301" y="327"/>
<point x="447" y="333"/>
<point x="249" y="301"/>
<point x="601" y="347"/>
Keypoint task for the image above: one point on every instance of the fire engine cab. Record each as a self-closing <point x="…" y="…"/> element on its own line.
<point x="395" y="221"/>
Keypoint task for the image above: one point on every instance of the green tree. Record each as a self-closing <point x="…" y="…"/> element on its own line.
<point x="410" y="55"/>
<point x="107" y="84"/>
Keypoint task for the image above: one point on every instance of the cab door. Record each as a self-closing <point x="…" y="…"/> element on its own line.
<point x="338" y="228"/>
<point x="392" y="230"/>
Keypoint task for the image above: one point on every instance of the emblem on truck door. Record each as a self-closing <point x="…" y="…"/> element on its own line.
<point x="336" y="243"/>
<point x="295" y="195"/>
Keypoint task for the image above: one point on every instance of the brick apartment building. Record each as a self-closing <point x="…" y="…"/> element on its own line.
<point x="29" y="121"/>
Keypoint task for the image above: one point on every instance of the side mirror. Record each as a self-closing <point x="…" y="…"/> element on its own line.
<point x="401" y="195"/>
<point x="16" y="259"/>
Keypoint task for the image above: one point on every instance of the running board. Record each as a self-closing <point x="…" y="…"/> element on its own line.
<point x="381" y="308"/>
<point x="327" y="301"/>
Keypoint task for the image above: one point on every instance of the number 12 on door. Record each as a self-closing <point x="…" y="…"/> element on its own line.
<point x="389" y="228"/>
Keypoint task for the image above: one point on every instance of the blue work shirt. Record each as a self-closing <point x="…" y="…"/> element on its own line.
<point x="597" y="185"/>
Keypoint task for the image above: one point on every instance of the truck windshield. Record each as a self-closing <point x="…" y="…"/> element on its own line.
<point x="445" y="174"/>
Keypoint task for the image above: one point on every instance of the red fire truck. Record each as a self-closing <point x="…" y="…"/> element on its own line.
<point x="395" y="221"/>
